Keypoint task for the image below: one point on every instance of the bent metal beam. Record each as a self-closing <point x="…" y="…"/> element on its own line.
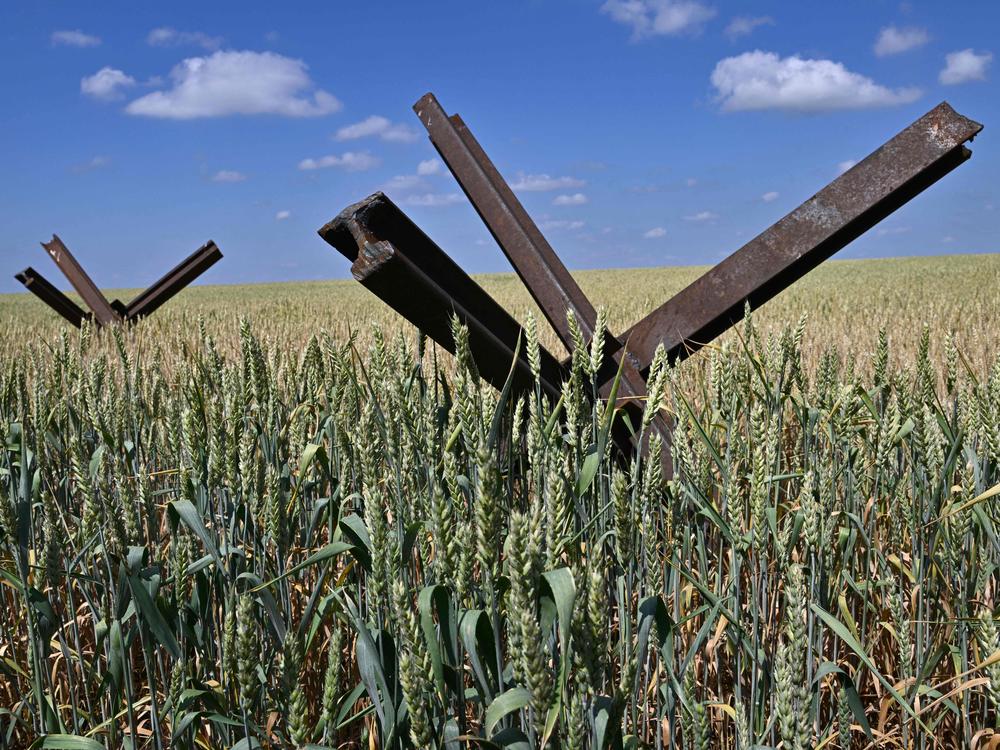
<point x="104" y="312"/>
<point x="176" y="279"/>
<point x="393" y="258"/>
<point x="549" y="282"/>
<point x="902" y="168"/>
<point x="38" y="285"/>
<point x="84" y="285"/>
<point x="841" y="212"/>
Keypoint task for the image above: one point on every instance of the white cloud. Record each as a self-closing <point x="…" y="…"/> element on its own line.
<point x="845" y="165"/>
<point x="376" y="125"/>
<point x="282" y="215"/>
<point x="404" y="182"/>
<point x="543" y="182"/>
<point x="769" y="196"/>
<point x="889" y="231"/>
<point x="107" y="84"/>
<point x="237" y="83"/>
<point x="702" y="216"/>
<point x="98" y="162"/>
<point x="429" y="167"/>
<point x="892" y="40"/>
<point x="372" y="125"/>
<point x="434" y="200"/>
<point x="416" y="181"/>
<point x="166" y="36"/>
<point x="761" y="80"/>
<point x="74" y="38"/>
<point x="965" y="65"/>
<point x="352" y="161"/>
<point x="690" y="182"/>
<point x="659" y="17"/>
<point x="745" y="25"/>
<point x="228" y="175"/>
<point x="576" y="199"/>
<point x="655" y="233"/>
<point x="561" y="224"/>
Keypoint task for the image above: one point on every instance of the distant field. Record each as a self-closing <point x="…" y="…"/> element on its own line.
<point x="846" y="303"/>
<point x="235" y="526"/>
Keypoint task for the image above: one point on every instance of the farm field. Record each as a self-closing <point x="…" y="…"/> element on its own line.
<point x="847" y="301"/>
<point x="271" y="516"/>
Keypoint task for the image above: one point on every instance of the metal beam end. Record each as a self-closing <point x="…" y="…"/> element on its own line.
<point x="51" y="244"/>
<point x="372" y="257"/>
<point x="424" y="101"/>
<point x="947" y="128"/>
<point x="958" y="124"/>
<point x="346" y="230"/>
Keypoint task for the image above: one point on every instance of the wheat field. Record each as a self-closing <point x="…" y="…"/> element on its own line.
<point x="274" y="516"/>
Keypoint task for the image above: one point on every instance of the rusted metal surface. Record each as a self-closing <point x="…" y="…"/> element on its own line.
<point x="394" y="259"/>
<point x="105" y="312"/>
<point x="902" y="168"/>
<point x="173" y="281"/>
<point x="81" y="282"/>
<point x="534" y="260"/>
<point x="38" y="285"/>
<point x="857" y="200"/>
<point x="549" y="282"/>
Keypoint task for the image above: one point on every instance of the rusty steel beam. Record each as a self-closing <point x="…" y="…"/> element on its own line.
<point x="534" y="260"/>
<point x="38" y="285"/>
<point x="395" y="260"/>
<point x="551" y="286"/>
<point x="426" y="287"/>
<point x="173" y="281"/>
<point x="902" y="168"/>
<point x="81" y="282"/>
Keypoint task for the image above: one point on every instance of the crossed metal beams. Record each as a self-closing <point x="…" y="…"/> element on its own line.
<point x="857" y="200"/>
<point x="103" y="312"/>
<point x="393" y="258"/>
<point x="846" y="208"/>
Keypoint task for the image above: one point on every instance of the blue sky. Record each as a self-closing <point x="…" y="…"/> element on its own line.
<point x="637" y="132"/>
